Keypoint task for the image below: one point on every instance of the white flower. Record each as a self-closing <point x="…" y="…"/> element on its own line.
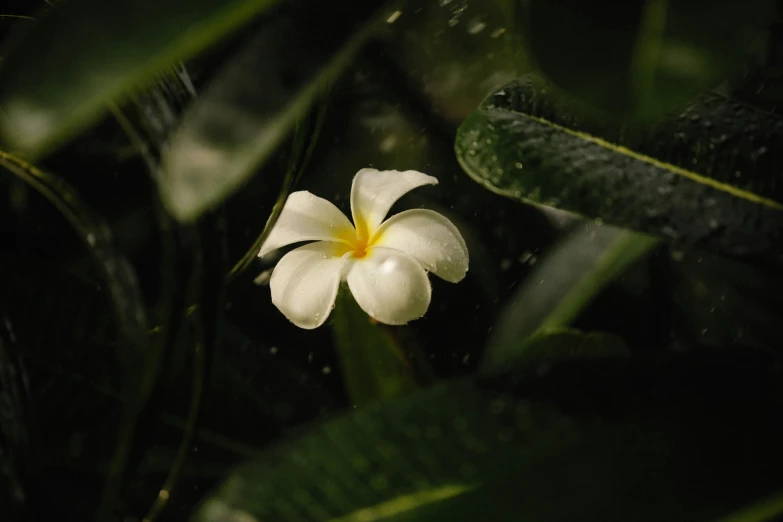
<point x="385" y="263"/>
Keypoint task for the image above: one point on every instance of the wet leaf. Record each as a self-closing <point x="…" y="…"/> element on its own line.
<point x="373" y="364"/>
<point x="233" y="129"/>
<point x="642" y="57"/>
<point x="562" y="284"/>
<point x="589" y="440"/>
<point x="50" y="92"/>
<point x="705" y="178"/>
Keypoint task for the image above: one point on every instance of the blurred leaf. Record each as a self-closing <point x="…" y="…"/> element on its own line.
<point x="643" y="57"/>
<point x="373" y="364"/>
<point x="589" y="440"/>
<point x="719" y="302"/>
<point x="15" y="435"/>
<point x="768" y="510"/>
<point x="147" y="125"/>
<point x="456" y="52"/>
<point x="233" y="128"/>
<point x="304" y="141"/>
<point x="706" y="178"/>
<point x="50" y="92"/>
<point x="561" y="285"/>
<point x="118" y="274"/>
<point x="560" y="344"/>
<point x="211" y="271"/>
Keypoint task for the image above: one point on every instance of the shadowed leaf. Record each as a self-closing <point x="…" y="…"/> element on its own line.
<point x="641" y="58"/>
<point x="254" y="103"/>
<point x="590" y="440"/>
<point x="705" y="178"/>
<point x="15" y="435"/>
<point x="49" y="92"/>
<point x="562" y="284"/>
<point x="374" y="366"/>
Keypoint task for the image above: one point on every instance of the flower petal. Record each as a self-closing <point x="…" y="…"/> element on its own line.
<point x="304" y="283"/>
<point x="429" y="237"/>
<point x="374" y="192"/>
<point x="306" y="217"/>
<point x="390" y="286"/>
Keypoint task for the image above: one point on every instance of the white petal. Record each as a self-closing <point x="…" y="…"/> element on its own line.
<point x="429" y="237"/>
<point x="374" y="192"/>
<point x="390" y="286"/>
<point x="306" y="217"/>
<point x="304" y="283"/>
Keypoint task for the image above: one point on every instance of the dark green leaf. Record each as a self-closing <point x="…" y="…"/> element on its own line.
<point x="476" y="49"/>
<point x="119" y="276"/>
<point x="15" y="427"/>
<point x="304" y="141"/>
<point x="374" y="366"/>
<point x="589" y="440"/>
<point x="153" y="115"/>
<point x="253" y="104"/>
<point x="104" y="50"/>
<point x="768" y="510"/>
<point x="719" y="302"/>
<point x="562" y="284"/>
<point x="707" y="177"/>
<point x="560" y="344"/>
<point x="211" y="270"/>
<point x="641" y="57"/>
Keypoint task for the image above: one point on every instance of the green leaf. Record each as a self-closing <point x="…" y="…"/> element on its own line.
<point x="373" y="364"/>
<point x="105" y="50"/>
<point x="477" y="48"/>
<point x="706" y="177"/>
<point x="117" y="272"/>
<point x="15" y="428"/>
<point x="719" y="302"/>
<point x="589" y="440"/>
<point x="211" y="294"/>
<point x="254" y="103"/>
<point x="561" y="285"/>
<point x="768" y="510"/>
<point x="304" y="141"/>
<point x="643" y="57"/>
<point x="559" y="344"/>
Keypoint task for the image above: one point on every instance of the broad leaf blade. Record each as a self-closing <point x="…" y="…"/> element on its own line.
<point x="103" y="50"/>
<point x="562" y="284"/>
<point x="590" y="440"/>
<point x="254" y="103"/>
<point x="373" y="364"/>
<point x="701" y="178"/>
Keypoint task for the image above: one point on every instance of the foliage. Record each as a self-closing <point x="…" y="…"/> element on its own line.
<point x="613" y="354"/>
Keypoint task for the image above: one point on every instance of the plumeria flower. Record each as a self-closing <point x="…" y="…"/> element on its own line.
<point x="384" y="263"/>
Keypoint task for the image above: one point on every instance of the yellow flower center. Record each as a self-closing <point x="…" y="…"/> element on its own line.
<point x="358" y="243"/>
<point x="360" y="247"/>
